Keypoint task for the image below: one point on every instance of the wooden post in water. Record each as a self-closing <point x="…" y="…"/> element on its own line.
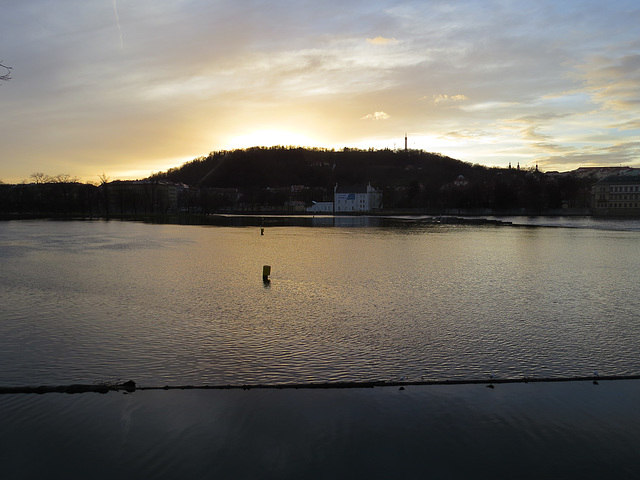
<point x="266" y="271"/>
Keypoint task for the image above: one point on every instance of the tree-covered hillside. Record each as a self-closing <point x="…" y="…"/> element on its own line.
<point x="281" y="179"/>
<point x="407" y="178"/>
<point x="283" y="167"/>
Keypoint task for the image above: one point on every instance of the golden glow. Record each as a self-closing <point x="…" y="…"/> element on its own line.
<point x="382" y="41"/>
<point x="144" y="169"/>
<point x="219" y="79"/>
<point x="269" y="138"/>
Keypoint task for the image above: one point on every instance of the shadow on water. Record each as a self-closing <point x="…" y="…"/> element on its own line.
<point x="525" y="431"/>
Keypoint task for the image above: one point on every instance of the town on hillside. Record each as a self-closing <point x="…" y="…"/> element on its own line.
<point x="293" y="180"/>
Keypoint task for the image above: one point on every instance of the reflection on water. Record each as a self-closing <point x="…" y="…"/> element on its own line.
<point x="168" y="304"/>
<point x="597" y="223"/>
<point x="525" y="431"/>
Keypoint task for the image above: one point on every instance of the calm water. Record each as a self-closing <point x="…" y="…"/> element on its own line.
<point x="350" y="299"/>
<point x="167" y="304"/>
<point x="528" y="431"/>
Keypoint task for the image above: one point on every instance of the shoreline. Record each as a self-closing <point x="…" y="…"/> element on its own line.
<point x="411" y="213"/>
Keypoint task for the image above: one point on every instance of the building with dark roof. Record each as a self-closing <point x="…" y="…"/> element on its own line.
<point x="616" y="195"/>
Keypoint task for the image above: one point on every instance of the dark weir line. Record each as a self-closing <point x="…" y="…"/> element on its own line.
<point x="130" y="386"/>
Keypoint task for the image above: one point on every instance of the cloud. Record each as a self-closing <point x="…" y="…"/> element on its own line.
<point x="190" y="75"/>
<point x="531" y="133"/>
<point x="612" y="82"/>
<point x="490" y="106"/>
<point x="376" y="116"/>
<point x="630" y="125"/>
<point x="621" y="153"/>
<point x="466" y="134"/>
<point x="439" y="99"/>
<point x="382" y="41"/>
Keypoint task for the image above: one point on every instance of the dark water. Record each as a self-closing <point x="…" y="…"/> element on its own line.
<point x="352" y="299"/>
<point x="528" y="431"/>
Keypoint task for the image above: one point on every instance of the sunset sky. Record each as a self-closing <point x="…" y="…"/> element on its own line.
<point x="131" y="87"/>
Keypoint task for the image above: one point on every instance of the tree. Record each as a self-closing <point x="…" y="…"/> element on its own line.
<point x="104" y="183"/>
<point x="103" y="178"/>
<point x="6" y="75"/>
<point x="65" y="178"/>
<point x="39" y="178"/>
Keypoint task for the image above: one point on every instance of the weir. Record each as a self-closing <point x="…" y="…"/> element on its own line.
<point x="130" y="386"/>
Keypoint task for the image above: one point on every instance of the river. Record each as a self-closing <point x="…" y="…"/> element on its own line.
<point x="349" y="300"/>
<point x="169" y="304"/>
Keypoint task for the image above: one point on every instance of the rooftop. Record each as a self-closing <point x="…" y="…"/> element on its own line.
<point x="620" y="179"/>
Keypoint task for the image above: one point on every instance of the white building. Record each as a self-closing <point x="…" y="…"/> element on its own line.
<point x="358" y="198"/>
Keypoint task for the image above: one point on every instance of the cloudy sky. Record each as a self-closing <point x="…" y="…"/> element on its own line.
<point x="129" y="87"/>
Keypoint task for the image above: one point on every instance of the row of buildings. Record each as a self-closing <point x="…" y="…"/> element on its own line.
<point x="616" y="195"/>
<point x="162" y="197"/>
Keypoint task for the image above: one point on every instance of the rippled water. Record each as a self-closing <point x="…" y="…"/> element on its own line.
<point x="349" y="299"/>
<point x="168" y="304"/>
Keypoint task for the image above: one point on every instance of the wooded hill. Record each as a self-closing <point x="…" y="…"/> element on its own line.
<point x="285" y="166"/>
<point x="407" y="178"/>
<point x="285" y="179"/>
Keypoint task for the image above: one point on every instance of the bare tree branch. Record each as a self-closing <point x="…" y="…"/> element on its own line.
<point x="6" y="76"/>
<point x="64" y="178"/>
<point x="40" y="178"/>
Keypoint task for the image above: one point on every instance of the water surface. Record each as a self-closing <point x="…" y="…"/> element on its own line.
<point x="350" y="299"/>
<point x="525" y="431"/>
<point x="167" y="304"/>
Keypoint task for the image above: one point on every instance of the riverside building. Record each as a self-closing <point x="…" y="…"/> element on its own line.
<point x="358" y="198"/>
<point x="616" y="195"/>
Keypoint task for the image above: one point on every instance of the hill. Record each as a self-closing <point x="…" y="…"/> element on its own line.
<point x="407" y="178"/>
<point x="285" y="166"/>
<point x="288" y="179"/>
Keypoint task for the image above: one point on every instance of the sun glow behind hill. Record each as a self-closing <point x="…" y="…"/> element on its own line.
<point x="270" y="138"/>
<point x="169" y="80"/>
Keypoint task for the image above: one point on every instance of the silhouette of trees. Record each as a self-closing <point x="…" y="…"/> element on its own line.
<point x="104" y="192"/>
<point x="409" y="179"/>
<point x="62" y="195"/>
<point x="39" y="178"/>
<point x="284" y="178"/>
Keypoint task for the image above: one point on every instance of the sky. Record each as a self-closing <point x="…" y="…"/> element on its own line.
<point x="125" y="88"/>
